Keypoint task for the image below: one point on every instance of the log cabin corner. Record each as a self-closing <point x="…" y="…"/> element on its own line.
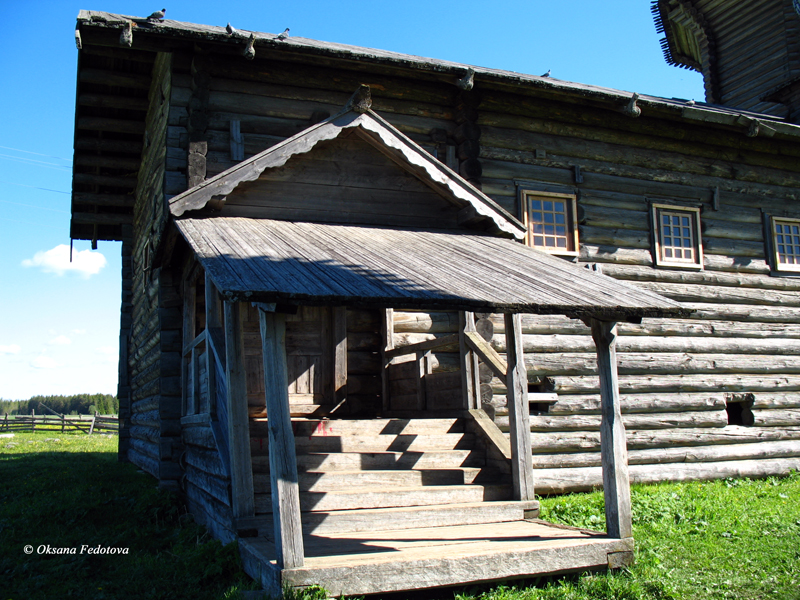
<point x="358" y="329"/>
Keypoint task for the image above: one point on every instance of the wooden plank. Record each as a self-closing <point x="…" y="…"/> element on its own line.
<point x="387" y="334"/>
<point x="424" y="346"/>
<point x="238" y="425"/>
<point x="616" y="484"/>
<point x="487" y="354"/>
<point x="518" y="411"/>
<point x="470" y="383"/>
<point x="282" y="457"/>
<point x="340" y="339"/>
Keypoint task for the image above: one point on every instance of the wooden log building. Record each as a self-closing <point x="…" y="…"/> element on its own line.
<point x="365" y="327"/>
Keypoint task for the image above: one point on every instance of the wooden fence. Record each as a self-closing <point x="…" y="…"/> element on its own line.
<point x="86" y="423"/>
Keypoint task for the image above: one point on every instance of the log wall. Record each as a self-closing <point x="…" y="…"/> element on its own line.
<point x="154" y="346"/>
<point x="743" y="341"/>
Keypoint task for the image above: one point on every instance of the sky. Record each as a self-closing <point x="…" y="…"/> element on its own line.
<point x="59" y="321"/>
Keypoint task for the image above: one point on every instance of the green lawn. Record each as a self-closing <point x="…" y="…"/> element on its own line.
<point x="732" y="539"/>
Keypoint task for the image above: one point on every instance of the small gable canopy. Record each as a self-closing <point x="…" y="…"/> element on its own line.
<point x="321" y="263"/>
<point x="472" y="203"/>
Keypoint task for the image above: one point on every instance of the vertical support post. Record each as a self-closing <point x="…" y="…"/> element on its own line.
<point x="423" y="359"/>
<point x="470" y="376"/>
<point x="282" y="456"/>
<point x="339" y="332"/>
<point x="518" y="410"/>
<point x="212" y="322"/>
<point x="387" y="333"/>
<point x="242" y="501"/>
<point x="613" y="449"/>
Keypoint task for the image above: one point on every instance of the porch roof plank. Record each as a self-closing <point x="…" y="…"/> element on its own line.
<point x="330" y="264"/>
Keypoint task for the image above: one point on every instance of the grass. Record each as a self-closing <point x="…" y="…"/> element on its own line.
<point x="69" y="490"/>
<point x="729" y="539"/>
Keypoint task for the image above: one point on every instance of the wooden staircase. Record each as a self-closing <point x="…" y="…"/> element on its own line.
<point x="385" y="474"/>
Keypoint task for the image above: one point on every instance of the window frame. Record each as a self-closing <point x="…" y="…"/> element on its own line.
<point x="774" y="255"/>
<point x="571" y="201"/>
<point x="659" y="260"/>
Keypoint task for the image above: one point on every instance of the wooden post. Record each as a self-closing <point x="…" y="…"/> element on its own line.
<point x="94" y="420"/>
<point x="470" y="376"/>
<point x="62" y="423"/>
<point x="33" y="419"/>
<point x="613" y="450"/>
<point x="282" y="457"/>
<point x="518" y="410"/>
<point x="339" y="332"/>
<point x="242" y="501"/>
<point x="212" y="322"/>
<point x="387" y="333"/>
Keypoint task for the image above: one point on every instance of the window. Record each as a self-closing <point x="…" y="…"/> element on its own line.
<point x="677" y="236"/>
<point x="550" y="220"/>
<point x="785" y="244"/>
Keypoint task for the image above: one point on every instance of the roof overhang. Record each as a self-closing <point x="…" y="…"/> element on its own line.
<point x="475" y="205"/>
<point x="263" y="260"/>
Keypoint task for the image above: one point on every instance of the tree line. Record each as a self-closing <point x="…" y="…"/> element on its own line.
<point x="79" y="404"/>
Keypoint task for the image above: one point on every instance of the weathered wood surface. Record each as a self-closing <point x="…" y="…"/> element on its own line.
<point x="584" y="441"/>
<point x="558" y="481"/>
<point x="518" y="412"/>
<point x="613" y="449"/>
<point x="657" y="456"/>
<point x="397" y="253"/>
<point x="282" y="459"/>
<point x="237" y="415"/>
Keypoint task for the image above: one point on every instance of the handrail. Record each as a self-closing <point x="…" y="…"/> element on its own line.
<point x="487" y="354"/>
<point x="422" y="346"/>
<point x="217" y="343"/>
<point x="201" y="337"/>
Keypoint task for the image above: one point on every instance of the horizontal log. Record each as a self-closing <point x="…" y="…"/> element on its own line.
<point x="736" y="280"/>
<point x="423" y="322"/>
<point x="789" y="417"/>
<point x="114" y="78"/>
<point x="554" y="364"/>
<point x="108" y="162"/>
<point x="610" y="254"/>
<point x="659" y="456"/>
<point x="683" y="383"/>
<point x="589" y="404"/>
<point x="582" y="479"/>
<point x="108" y="124"/>
<point x="207" y="461"/>
<point x="81" y="198"/>
<point x="201" y="436"/>
<point x="656" y="344"/>
<point x="213" y="486"/>
<point x="104" y="180"/>
<point x="552" y="442"/>
<point x="723" y="294"/>
<point x="706" y="418"/>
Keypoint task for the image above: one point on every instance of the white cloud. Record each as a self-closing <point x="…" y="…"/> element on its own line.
<point x="11" y="349"/>
<point x="110" y="354"/>
<point x="44" y="362"/>
<point x="84" y="262"/>
<point x="79" y="331"/>
<point x="61" y="340"/>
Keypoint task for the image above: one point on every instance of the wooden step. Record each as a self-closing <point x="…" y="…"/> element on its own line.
<point x="322" y="481"/>
<point x="369" y="497"/>
<point x="384" y="519"/>
<point x="373" y="443"/>
<point x="354" y="461"/>
<point x="325" y="427"/>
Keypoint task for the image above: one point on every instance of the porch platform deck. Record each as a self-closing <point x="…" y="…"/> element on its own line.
<point x="412" y="559"/>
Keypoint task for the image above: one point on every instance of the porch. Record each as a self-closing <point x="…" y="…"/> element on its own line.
<point x="387" y="504"/>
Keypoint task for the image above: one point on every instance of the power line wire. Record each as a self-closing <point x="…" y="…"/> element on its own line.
<point x="35" y="188"/>
<point x="66" y="212"/>
<point x="69" y="160"/>
<point x="36" y="163"/>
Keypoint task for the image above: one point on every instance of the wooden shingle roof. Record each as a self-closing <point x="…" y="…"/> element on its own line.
<point x="330" y="264"/>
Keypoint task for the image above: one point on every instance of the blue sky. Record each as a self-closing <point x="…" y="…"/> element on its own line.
<point x="59" y="323"/>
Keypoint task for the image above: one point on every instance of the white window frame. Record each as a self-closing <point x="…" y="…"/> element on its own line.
<point x="571" y="218"/>
<point x="660" y="251"/>
<point x="777" y="265"/>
